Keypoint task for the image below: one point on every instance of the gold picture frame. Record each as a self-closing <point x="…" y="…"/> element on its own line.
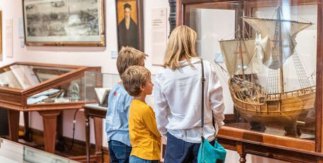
<point x="130" y="33"/>
<point x="64" y="22"/>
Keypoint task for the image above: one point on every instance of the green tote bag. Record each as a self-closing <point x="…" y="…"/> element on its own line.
<point x="209" y="153"/>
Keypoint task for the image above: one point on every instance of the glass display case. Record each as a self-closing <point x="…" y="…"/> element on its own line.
<point x="47" y="89"/>
<point x="39" y="84"/>
<point x="11" y="152"/>
<point x="267" y="53"/>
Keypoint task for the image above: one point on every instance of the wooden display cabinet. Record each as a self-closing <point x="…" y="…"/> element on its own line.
<point x="48" y="89"/>
<point x="271" y="51"/>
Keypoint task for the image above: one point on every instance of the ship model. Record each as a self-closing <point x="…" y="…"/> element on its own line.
<point x="257" y="74"/>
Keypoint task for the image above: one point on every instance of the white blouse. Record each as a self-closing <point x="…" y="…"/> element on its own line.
<point x="177" y="101"/>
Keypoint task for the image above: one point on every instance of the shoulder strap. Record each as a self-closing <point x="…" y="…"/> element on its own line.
<point x="202" y="100"/>
<point x="202" y="97"/>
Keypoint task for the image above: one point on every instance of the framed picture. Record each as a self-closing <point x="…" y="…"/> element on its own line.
<point x="64" y="22"/>
<point x="130" y="23"/>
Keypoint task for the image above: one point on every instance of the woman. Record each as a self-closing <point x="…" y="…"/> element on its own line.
<point x="177" y="97"/>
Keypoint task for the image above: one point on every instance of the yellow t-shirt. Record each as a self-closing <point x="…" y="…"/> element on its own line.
<point x="144" y="135"/>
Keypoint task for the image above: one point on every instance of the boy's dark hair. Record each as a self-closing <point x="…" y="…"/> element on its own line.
<point x="134" y="78"/>
<point x="129" y="56"/>
<point x="127" y="5"/>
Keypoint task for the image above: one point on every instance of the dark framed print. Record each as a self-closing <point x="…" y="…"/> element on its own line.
<point x="130" y="23"/>
<point x="64" y="22"/>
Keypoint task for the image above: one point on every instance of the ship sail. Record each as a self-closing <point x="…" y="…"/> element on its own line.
<point x="237" y="59"/>
<point x="275" y="56"/>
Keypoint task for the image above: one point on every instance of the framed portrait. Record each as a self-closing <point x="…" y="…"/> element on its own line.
<point x="130" y="23"/>
<point x="64" y="22"/>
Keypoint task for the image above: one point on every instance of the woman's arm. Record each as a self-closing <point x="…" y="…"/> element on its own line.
<point x="216" y="97"/>
<point x="161" y="108"/>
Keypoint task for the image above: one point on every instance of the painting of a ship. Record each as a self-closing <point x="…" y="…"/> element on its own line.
<point x="257" y="73"/>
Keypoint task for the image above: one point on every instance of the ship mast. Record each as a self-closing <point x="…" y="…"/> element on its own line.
<point x="280" y="41"/>
<point x="240" y="53"/>
<point x="241" y="42"/>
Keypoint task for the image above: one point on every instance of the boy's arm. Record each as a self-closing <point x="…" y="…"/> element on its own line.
<point x="150" y="122"/>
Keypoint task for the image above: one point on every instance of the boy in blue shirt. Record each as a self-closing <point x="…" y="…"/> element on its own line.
<point x="118" y="106"/>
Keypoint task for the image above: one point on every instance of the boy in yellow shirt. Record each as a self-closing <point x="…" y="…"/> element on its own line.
<point x="144" y="135"/>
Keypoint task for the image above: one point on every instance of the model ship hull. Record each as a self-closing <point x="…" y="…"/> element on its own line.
<point x="281" y="109"/>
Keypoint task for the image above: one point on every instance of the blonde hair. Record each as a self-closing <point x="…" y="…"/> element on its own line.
<point x="134" y="78"/>
<point x="129" y="56"/>
<point x="181" y="44"/>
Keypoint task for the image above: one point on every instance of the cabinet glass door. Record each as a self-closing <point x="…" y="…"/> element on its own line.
<point x="265" y="53"/>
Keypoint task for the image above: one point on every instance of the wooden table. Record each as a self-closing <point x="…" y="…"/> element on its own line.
<point x="266" y="145"/>
<point x="97" y="113"/>
<point x="49" y="113"/>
